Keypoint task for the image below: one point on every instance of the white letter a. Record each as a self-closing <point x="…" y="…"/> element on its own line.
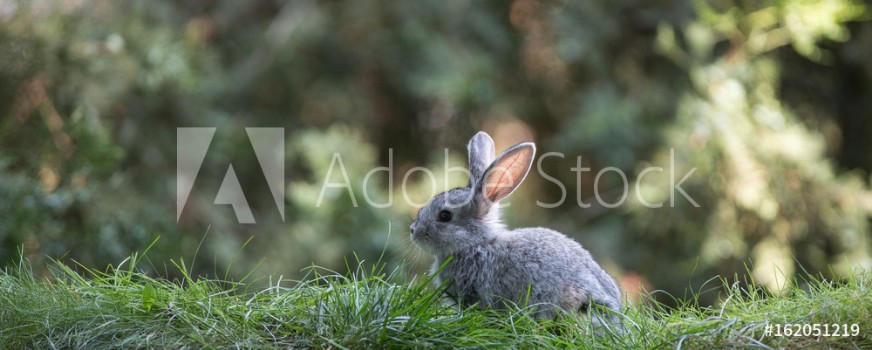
<point x="327" y="183"/>
<point x="230" y="192"/>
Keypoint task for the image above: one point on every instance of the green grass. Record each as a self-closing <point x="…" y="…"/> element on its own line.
<point x="369" y="309"/>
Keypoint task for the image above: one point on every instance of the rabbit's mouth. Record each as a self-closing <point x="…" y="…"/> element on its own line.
<point x="417" y="239"/>
<point x="423" y="240"/>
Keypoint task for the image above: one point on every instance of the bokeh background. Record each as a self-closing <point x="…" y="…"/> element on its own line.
<point x="769" y="101"/>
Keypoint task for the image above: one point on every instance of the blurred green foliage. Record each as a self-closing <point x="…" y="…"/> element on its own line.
<point x="767" y="101"/>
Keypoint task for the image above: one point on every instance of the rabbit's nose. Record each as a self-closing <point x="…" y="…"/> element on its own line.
<point x="413" y="227"/>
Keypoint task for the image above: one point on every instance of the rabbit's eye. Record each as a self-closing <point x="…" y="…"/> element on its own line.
<point x="444" y="216"/>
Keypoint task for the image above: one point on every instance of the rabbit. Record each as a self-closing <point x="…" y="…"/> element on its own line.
<point x="492" y="265"/>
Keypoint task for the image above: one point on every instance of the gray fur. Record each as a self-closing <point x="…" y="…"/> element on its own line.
<point x="492" y="264"/>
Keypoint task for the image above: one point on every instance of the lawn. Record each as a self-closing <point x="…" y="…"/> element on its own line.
<point x="368" y="308"/>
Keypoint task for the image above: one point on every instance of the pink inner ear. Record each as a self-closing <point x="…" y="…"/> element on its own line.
<point x="506" y="175"/>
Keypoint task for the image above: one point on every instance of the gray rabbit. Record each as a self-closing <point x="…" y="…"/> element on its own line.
<point x="492" y="264"/>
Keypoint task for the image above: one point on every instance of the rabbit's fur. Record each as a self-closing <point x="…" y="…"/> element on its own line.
<point x="491" y="264"/>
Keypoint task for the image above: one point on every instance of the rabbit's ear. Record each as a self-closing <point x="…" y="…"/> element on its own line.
<point x="481" y="155"/>
<point x="507" y="172"/>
